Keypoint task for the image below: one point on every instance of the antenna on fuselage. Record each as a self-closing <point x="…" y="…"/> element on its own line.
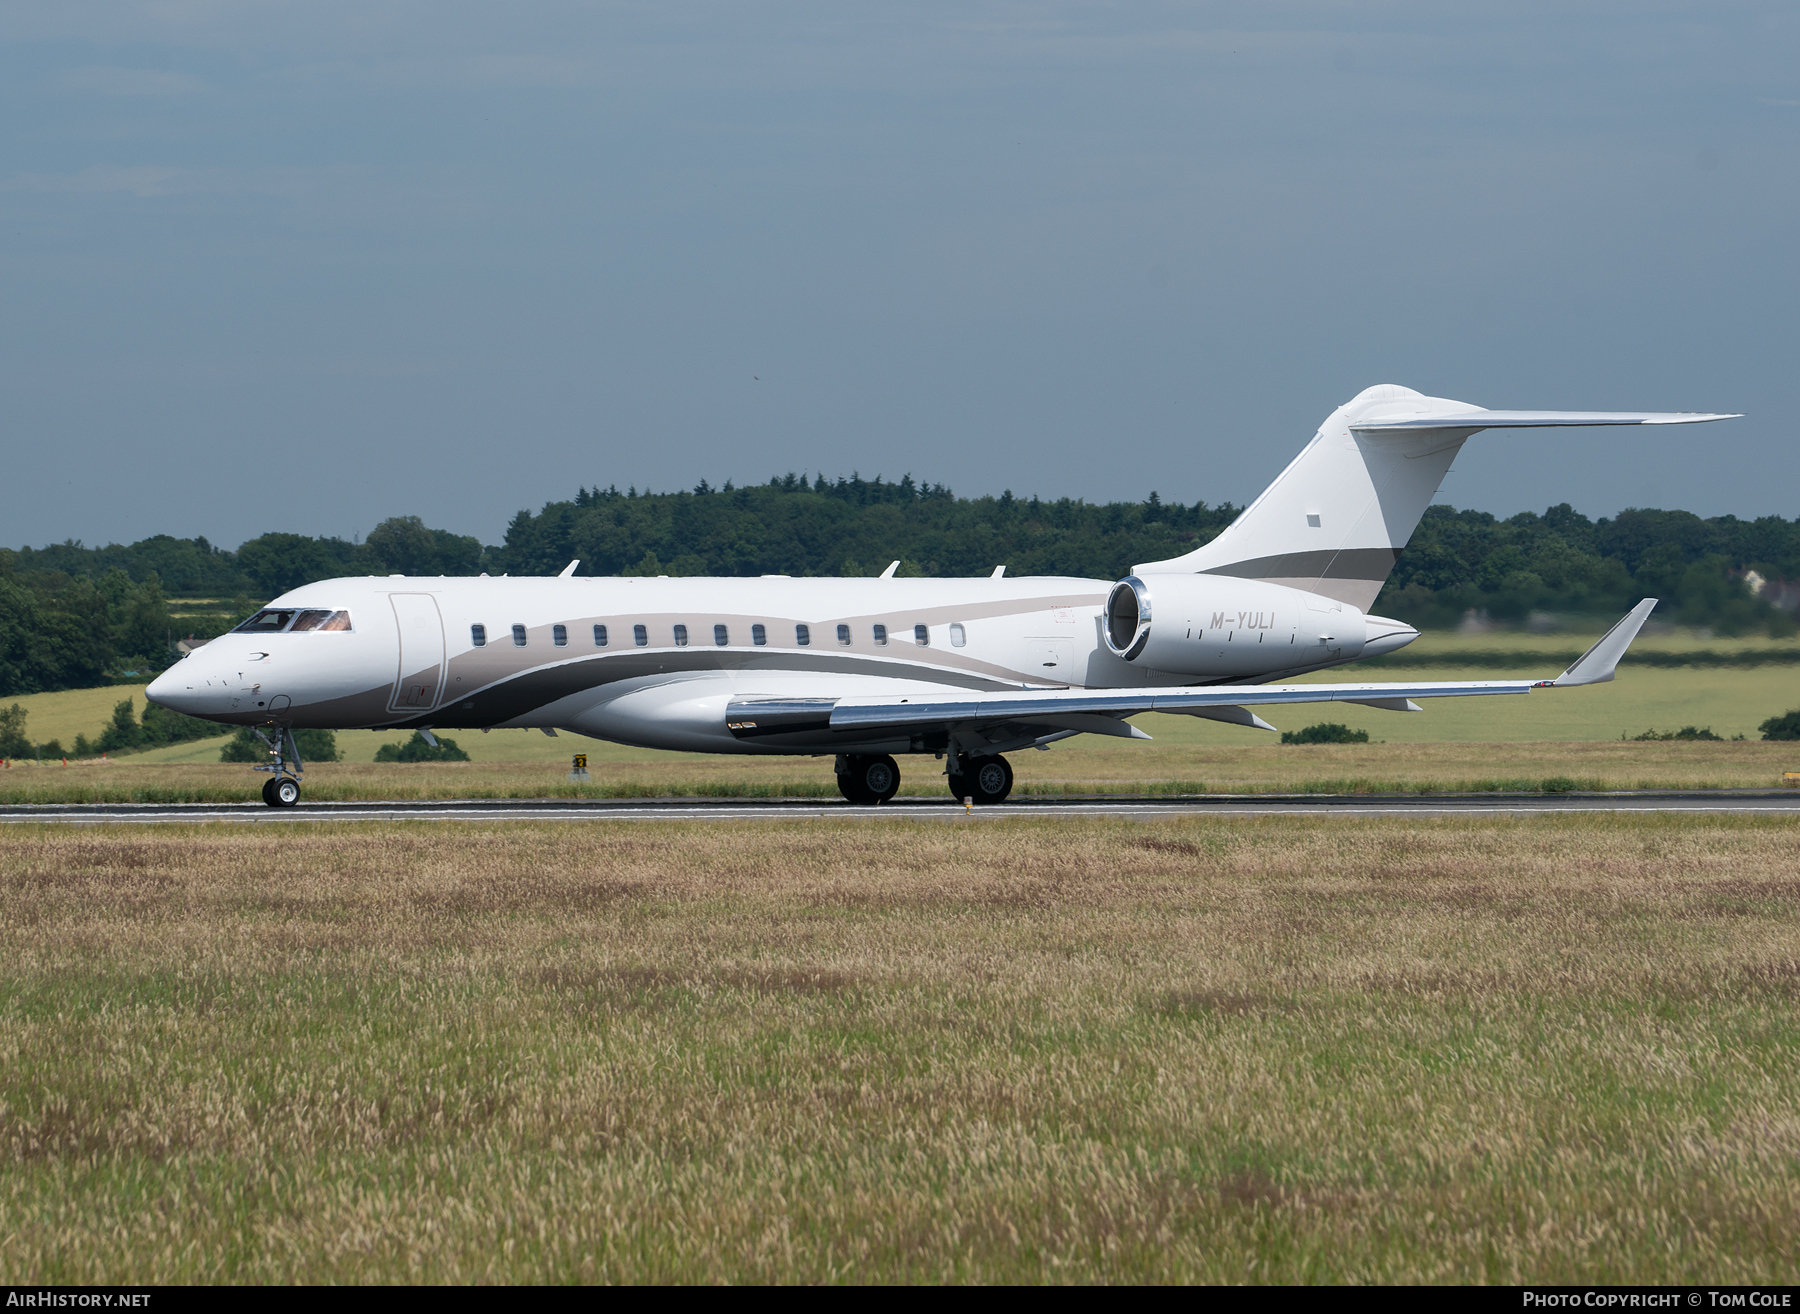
<point x="569" y="569"/>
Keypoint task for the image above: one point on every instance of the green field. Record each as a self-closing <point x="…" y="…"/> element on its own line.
<point x="71" y="712"/>
<point x="1092" y="766"/>
<point x="1540" y="1050"/>
<point x="1508" y="741"/>
<point x="1570" y="736"/>
<point x="1730" y="701"/>
<point x="1656" y="642"/>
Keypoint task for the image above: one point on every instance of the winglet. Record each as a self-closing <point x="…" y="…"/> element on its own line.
<point x="1596" y="665"/>
<point x="569" y="569"/>
<point x="889" y="572"/>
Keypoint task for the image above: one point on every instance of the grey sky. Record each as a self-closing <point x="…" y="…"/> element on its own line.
<point x="304" y="266"/>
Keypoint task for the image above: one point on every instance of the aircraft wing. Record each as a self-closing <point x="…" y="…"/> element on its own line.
<point x="1479" y="419"/>
<point x="1056" y="705"/>
<point x="1033" y="713"/>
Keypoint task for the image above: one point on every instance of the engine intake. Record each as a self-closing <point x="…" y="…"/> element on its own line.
<point x="1128" y="617"/>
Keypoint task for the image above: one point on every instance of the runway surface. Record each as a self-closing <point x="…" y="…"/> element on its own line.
<point x="906" y="809"/>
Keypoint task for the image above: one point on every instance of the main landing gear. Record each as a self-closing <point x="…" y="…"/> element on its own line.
<point x="864" y="779"/>
<point x="867" y="779"/>
<point x="282" y="790"/>
<point x="983" y="779"/>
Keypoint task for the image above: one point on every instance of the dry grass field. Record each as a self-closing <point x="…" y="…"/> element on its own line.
<point x="1540" y="1050"/>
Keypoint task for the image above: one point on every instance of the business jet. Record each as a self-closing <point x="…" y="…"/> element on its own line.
<point x="867" y="670"/>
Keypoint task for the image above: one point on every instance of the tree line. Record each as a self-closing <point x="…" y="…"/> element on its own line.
<point x="1561" y="561"/>
<point x="74" y="616"/>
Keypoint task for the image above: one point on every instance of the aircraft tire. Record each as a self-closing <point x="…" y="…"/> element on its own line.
<point x="268" y="792"/>
<point x="870" y="779"/>
<point x="285" y="792"/>
<point x="988" y="780"/>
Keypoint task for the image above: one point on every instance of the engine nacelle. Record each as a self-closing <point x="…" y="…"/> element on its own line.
<point x="1218" y="626"/>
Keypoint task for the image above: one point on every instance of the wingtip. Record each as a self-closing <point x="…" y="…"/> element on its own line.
<point x="1598" y="664"/>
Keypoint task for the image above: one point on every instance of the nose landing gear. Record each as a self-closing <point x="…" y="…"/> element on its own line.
<point x="283" y="789"/>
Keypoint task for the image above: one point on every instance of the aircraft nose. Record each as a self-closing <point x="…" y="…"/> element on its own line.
<point x="171" y="690"/>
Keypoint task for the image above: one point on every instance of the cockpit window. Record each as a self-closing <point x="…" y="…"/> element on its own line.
<point x="276" y="619"/>
<point x="322" y="620"/>
<point x="265" y="622"/>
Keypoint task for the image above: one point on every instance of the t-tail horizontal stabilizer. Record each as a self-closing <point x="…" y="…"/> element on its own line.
<point x="1338" y="517"/>
<point x="1477" y="419"/>
<point x="1597" y="664"/>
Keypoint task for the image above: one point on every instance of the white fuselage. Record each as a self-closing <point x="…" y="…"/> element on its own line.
<point x="655" y="662"/>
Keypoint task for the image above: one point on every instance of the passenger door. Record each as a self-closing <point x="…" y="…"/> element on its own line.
<point x="420" y="680"/>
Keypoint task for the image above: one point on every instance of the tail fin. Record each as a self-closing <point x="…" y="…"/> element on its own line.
<point x="1336" y="520"/>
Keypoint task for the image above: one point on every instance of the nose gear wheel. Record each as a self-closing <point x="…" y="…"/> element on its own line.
<point x="282" y="790"/>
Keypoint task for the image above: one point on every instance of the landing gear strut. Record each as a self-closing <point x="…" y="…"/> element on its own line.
<point x="864" y="779"/>
<point x="984" y="779"/>
<point x="282" y="790"/>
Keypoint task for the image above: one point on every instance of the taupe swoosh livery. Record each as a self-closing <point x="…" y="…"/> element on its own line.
<point x="863" y="670"/>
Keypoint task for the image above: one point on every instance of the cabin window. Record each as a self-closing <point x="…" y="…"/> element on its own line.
<point x="802" y="635"/>
<point x="640" y="636"/>
<point x="843" y="636"/>
<point x="957" y="636"/>
<point x="922" y="636"/>
<point x="518" y="636"/>
<point x="881" y="636"/>
<point x="681" y="636"/>
<point x="721" y="636"/>
<point x="599" y="636"/>
<point x="759" y="635"/>
<point x="265" y="622"/>
<point x="478" y="635"/>
<point x="559" y="635"/>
